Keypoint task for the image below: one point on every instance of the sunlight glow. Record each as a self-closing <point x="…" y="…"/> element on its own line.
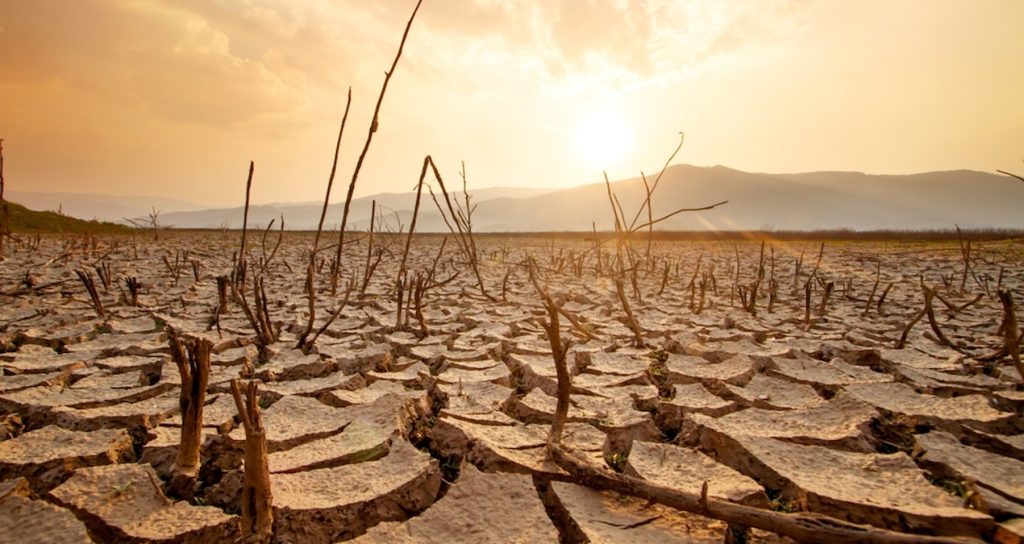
<point x="602" y="139"/>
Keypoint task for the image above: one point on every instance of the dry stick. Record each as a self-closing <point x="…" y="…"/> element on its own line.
<point x="310" y="287"/>
<point x="664" y="279"/>
<point x="532" y="267"/>
<point x="400" y="287"/>
<point x="462" y="230"/>
<point x="94" y="296"/>
<point x="558" y="352"/>
<point x="222" y="294"/>
<point x="906" y="330"/>
<point x="636" y="287"/>
<point x="334" y="170"/>
<point x="369" y="248"/>
<point x="682" y="210"/>
<point x="758" y="278"/>
<point x="437" y="259"/>
<point x="415" y="214"/>
<point x="803" y="527"/>
<point x="257" y="500"/>
<point x="949" y="304"/>
<point x="1000" y="171"/>
<point x="654" y="186"/>
<point x="968" y="304"/>
<point x="192" y="357"/>
<point x="1011" y="332"/>
<point x="630" y="319"/>
<point x="245" y="214"/>
<point x="965" y="252"/>
<point x="104" y="273"/>
<point x="419" y="289"/>
<point x="736" y="280"/>
<point x="824" y="299"/>
<point x="266" y="260"/>
<point x="467" y="214"/>
<point x="334" y="315"/>
<point x="807" y="302"/>
<point x="259" y="319"/>
<point x="579" y="326"/>
<point x="504" y="284"/>
<point x="881" y="299"/>
<point x="703" y="292"/>
<point x="650" y="216"/>
<point x="310" y="284"/>
<point x="796" y="272"/>
<point x="874" y="289"/>
<point x="133" y="290"/>
<point x="618" y="222"/>
<point x="374" y="124"/>
<point x="929" y="295"/>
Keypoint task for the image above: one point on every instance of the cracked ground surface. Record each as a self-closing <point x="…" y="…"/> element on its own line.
<point x="428" y="423"/>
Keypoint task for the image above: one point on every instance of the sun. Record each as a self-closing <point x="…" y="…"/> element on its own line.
<point x="602" y="139"/>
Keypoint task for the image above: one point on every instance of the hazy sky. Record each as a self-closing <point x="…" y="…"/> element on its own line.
<point x="174" y="97"/>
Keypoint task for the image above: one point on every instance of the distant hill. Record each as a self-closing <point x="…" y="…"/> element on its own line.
<point x="757" y="201"/>
<point x="103" y="207"/>
<point x="820" y="200"/>
<point x="306" y="215"/>
<point x="26" y="221"/>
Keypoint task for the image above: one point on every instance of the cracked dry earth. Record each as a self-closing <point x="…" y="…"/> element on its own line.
<point x="435" y="431"/>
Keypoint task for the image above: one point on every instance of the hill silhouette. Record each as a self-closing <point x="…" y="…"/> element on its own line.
<point x="757" y="201"/>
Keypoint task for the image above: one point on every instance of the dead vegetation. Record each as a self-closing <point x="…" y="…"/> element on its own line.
<point x="691" y="379"/>
<point x="676" y="359"/>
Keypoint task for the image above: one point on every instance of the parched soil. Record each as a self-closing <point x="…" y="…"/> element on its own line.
<point x="786" y="383"/>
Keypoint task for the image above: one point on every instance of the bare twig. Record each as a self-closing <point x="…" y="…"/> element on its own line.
<point x="374" y="125"/>
<point x="1009" y="174"/>
<point x="1011" y="332"/>
<point x="334" y="170"/>
<point x="90" y="287"/>
<point x="245" y="213"/>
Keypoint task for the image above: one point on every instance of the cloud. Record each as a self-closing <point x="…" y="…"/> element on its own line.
<point x="569" y="45"/>
<point x="252" y="63"/>
<point x="172" y="61"/>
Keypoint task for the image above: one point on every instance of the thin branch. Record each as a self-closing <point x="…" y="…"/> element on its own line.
<point x="677" y="212"/>
<point x="334" y="169"/>
<point x="374" y="124"/>
<point x="1009" y="174"/>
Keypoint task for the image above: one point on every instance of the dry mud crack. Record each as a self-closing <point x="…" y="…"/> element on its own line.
<point x="430" y="422"/>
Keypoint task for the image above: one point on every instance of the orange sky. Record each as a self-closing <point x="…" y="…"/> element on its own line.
<point x="173" y="98"/>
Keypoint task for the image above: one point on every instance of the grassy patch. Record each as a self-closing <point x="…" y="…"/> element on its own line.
<point x="26" y="221"/>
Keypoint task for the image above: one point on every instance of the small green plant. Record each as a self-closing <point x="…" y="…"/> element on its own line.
<point x="963" y="489"/>
<point x="777" y="503"/>
<point x="450" y="468"/>
<point x="421" y="429"/>
<point x="617" y="461"/>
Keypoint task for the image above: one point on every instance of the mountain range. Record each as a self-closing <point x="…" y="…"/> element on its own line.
<point x="756" y="201"/>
